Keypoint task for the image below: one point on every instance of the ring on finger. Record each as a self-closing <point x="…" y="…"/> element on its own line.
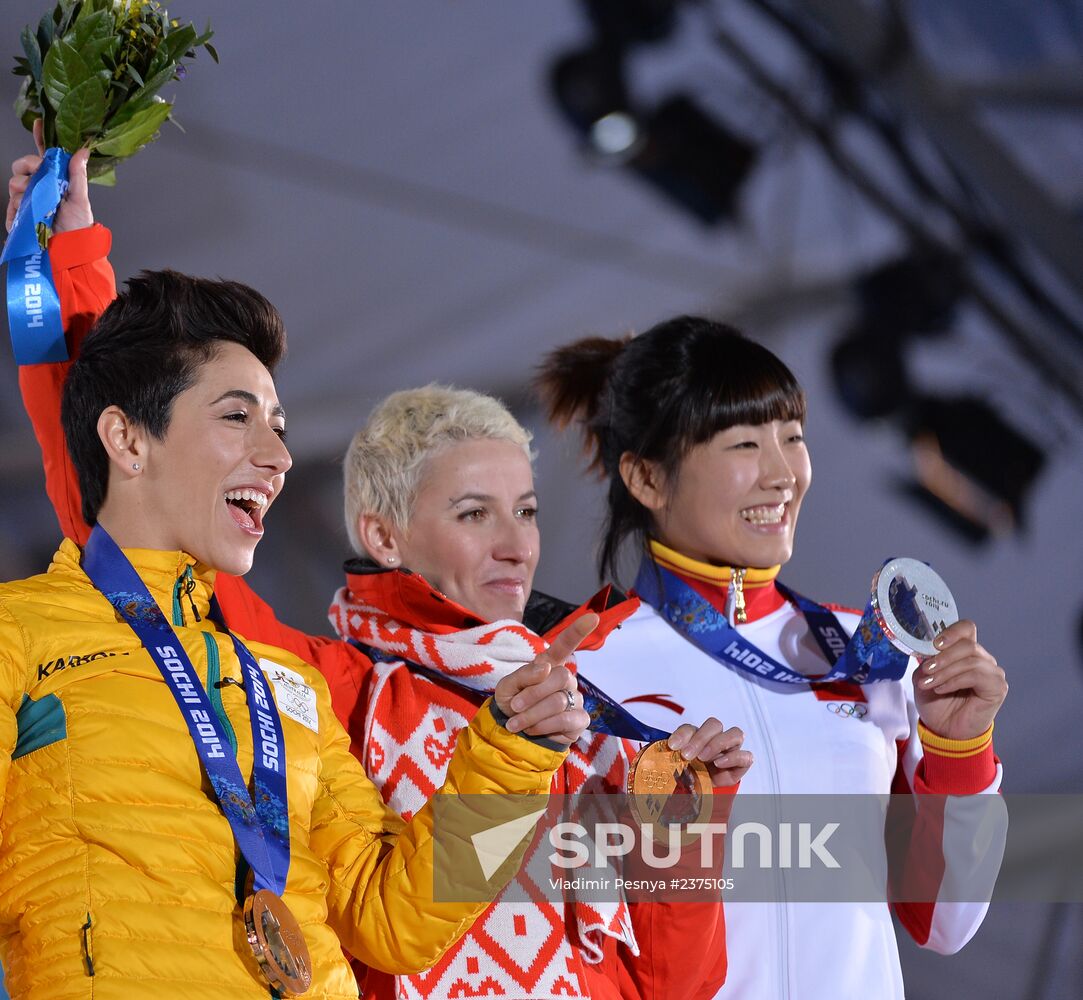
<point x="570" y="698"/>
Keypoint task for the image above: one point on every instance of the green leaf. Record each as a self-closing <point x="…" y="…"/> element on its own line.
<point x="80" y="114"/>
<point x="97" y="26"/>
<point x="144" y="96"/>
<point x="92" y="7"/>
<point x="212" y="50"/>
<point x="26" y="105"/>
<point x="97" y="53"/>
<point x="93" y="37"/>
<point x="98" y="165"/>
<point x="63" y="70"/>
<point x="45" y="33"/>
<point x="134" y="74"/>
<point x="107" y="178"/>
<point x="64" y="15"/>
<point x="159" y="62"/>
<point x="141" y="128"/>
<point x="33" y="52"/>
<point x="179" y="40"/>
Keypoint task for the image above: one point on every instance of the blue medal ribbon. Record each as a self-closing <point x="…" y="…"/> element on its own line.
<point x="864" y="658"/>
<point x="260" y="821"/>
<point x="37" y="332"/>
<point x="606" y="715"/>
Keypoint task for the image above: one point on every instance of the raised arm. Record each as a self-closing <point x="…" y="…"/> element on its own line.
<point x="85" y="283"/>
<point x="951" y="829"/>
<point x="86" y="286"/>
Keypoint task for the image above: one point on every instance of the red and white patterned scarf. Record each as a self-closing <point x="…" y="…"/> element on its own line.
<point x="516" y="948"/>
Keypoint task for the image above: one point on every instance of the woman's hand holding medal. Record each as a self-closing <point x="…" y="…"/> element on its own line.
<point x="670" y="781"/>
<point x="716" y="747"/>
<point x="960" y="689"/>
<point x="542" y="698"/>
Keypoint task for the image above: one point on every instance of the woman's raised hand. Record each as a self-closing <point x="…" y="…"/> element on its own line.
<point x="960" y="690"/>
<point x="74" y="211"/>
<point x="542" y="698"/>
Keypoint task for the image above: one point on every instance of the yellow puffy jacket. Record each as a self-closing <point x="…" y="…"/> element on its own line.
<point x="117" y="867"/>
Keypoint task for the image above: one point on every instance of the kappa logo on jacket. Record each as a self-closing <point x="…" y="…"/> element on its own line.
<point x="50" y="667"/>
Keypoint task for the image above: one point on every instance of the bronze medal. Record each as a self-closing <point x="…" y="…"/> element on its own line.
<point x="277" y="942"/>
<point x="665" y="790"/>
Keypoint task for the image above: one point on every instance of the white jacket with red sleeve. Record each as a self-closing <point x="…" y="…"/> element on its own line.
<point x="829" y="739"/>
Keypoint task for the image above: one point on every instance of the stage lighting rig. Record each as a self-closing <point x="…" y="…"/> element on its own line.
<point x="916" y="295"/>
<point x="673" y="144"/>
<point x="971" y="467"/>
<point x="629" y="22"/>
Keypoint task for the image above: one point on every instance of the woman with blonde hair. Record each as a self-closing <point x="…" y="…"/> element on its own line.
<point x="440" y="499"/>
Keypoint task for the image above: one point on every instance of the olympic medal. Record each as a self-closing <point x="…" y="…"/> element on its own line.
<point x="277" y="942"/>
<point x="665" y="790"/>
<point x="912" y="605"/>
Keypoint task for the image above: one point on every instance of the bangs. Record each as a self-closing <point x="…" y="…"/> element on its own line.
<point x="737" y="382"/>
<point x="756" y="404"/>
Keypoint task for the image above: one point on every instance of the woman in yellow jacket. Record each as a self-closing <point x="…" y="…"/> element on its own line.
<point x="120" y="873"/>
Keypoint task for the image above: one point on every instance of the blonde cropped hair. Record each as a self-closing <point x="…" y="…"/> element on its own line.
<point x="385" y="460"/>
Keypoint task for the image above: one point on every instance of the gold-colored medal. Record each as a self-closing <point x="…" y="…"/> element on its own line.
<point x="666" y="790"/>
<point x="277" y="942"/>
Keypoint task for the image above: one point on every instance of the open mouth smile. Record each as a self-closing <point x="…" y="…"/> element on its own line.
<point x="246" y="506"/>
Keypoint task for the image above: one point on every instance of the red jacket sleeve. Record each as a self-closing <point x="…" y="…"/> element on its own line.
<point x="682" y="935"/>
<point x="86" y="285"/>
<point x="84" y="280"/>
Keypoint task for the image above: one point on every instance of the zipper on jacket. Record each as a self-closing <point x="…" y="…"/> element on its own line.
<point x="214" y="688"/>
<point x="88" y="947"/>
<point x="185" y="585"/>
<point x="781" y="907"/>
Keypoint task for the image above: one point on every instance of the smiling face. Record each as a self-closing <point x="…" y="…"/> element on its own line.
<point x="205" y="486"/>
<point x="737" y="496"/>
<point x="473" y="531"/>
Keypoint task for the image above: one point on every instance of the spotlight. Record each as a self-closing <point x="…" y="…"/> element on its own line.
<point x="971" y="466"/>
<point x="617" y="136"/>
<point x="915" y="295"/>
<point x="694" y="159"/>
<point x="676" y="147"/>
<point x="632" y="21"/>
<point x="589" y="89"/>
<point x="870" y="375"/>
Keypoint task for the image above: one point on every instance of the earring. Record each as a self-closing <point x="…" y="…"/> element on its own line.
<point x="391" y="560"/>
<point x="136" y="466"/>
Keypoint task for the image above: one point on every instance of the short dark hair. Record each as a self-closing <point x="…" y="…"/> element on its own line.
<point x="146" y="349"/>
<point x="657" y="396"/>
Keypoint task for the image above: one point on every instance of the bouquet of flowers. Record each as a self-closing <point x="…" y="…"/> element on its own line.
<point x="93" y="69"/>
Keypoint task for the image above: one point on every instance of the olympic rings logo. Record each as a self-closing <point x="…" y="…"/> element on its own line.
<point x="848" y="710"/>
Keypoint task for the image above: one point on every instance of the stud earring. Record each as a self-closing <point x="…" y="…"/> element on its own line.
<point x="136" y="466"/>
<point x="391" y="560"/>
